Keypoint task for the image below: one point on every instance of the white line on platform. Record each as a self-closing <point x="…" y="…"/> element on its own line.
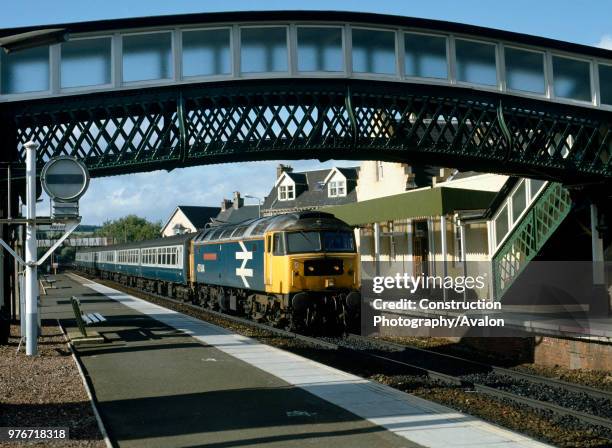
<point x="424" y="422"/>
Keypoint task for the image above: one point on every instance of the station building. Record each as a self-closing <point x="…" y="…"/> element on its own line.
<point x="400" y="231"/>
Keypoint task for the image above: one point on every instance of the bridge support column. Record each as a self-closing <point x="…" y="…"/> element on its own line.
<point x="601" y="302"/>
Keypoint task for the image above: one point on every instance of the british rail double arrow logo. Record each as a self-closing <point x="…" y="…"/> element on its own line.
<point x="243" y="272"/>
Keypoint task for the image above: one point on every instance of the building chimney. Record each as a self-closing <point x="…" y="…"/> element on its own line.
<point x="280" y="169"/>
<point x="238" y="201"/>
<point x="225" y="204"/>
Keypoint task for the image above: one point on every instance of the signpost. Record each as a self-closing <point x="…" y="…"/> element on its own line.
<point x="65" y="180"/>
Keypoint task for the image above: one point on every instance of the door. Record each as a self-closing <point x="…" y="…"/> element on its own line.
<point x="420" y="249"/>
<point x="268" y="260"/>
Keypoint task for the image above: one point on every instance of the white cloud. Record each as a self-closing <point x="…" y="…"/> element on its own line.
<point x="605" y="42"/>
<point x="154" y="195"/>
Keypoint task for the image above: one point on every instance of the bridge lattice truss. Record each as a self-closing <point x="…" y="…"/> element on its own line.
<point x="195" y="125"/>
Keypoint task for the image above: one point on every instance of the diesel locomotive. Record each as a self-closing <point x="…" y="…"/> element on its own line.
<point x="296" y="270"/>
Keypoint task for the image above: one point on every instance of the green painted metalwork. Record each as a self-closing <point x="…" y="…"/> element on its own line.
<point x="187" y="125"/>
<point x="529" y="236"/>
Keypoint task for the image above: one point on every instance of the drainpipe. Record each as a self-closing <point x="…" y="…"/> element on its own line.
<point x="377" y="248"/>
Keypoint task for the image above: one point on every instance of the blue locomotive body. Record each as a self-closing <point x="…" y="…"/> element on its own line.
<point x="236" y="264"/>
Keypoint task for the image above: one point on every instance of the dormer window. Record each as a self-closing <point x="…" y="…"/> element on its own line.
<point x="337" y="188"/>
<point x="286" y="192"/>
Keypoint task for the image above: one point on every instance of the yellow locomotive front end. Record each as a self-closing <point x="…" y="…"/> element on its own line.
<point x="314" y="265"/>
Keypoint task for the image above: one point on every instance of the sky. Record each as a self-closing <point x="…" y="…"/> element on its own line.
<point x="155" y="195"/>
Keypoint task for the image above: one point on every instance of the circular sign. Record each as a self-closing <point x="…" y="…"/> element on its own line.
<point x="64" y="178"/>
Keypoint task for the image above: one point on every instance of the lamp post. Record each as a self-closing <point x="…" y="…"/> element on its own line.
<point x="31" y="281"/>
<point x="259" y="202"/>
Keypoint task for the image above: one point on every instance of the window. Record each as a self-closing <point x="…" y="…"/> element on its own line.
<point x="571" y="78"/>
<point x="535" y="187"/>
<point x="501" y="225"/>
<point x="206" y="53"/>
<point x="300" y="242"/>
<point x="147" y="57"/>
<point x="337" y="188"/>
<point x="286" y="192"/>
<point x="425" y="56"/>
<point x="605" y="83"/>
<point x="476" y="62"/>
<point x="319" y="49"/>
<point x="86" y="62"/>
<point x="25" y="71"/>
<point x="279" y="244"/>
<point x="458" y="242"/>
<point x="373" y="51"/>
<point x="519" y="201"/>
<point x="524" y="70"/>
<point x="263" y="50"/>
<point x="338" y="241"/>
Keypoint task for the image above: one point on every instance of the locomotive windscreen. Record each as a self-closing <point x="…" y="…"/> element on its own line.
<point x="327" y="241"/>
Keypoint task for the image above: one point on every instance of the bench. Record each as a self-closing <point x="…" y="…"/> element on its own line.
<point x="50" y="281"/>
<point x="84" y="319"/>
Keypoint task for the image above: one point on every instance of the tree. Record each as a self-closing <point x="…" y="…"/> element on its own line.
<point x="130" y="228"/>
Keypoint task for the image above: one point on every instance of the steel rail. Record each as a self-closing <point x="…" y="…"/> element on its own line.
<point x="573" y="387"/>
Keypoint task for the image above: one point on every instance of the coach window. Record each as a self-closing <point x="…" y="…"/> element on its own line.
<point x="476" y="62"/>
<point x="206" y="53"/>
<point x="147" y="57"/>
<point x="425" y="56"/>
<point x="524" y="70"/>
<point x="279" y="244"/>
<point x="373" y="51"/>
<point x="25" y="71"/>
<point x="86" y="62"/>
<point x="571" y="78"/>
<point x="263" y="50"/>
<point x="319" y="49"/>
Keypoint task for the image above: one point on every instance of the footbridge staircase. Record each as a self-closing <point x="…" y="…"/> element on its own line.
<point x="521" y="225"/>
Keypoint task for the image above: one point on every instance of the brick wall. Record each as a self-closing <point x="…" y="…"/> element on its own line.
<point x="572" y="354"/>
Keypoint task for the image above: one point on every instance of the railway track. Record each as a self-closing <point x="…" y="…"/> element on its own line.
<point x="455" y="377"/>
<point x="444" y="368"/>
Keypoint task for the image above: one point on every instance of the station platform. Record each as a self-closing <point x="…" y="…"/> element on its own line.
<point x="167" y="379"/>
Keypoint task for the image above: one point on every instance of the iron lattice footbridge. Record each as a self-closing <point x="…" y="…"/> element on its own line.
<point x="159" y="93"/>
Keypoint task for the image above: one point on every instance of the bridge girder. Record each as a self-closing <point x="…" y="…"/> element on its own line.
<point x="188" y="125"/>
